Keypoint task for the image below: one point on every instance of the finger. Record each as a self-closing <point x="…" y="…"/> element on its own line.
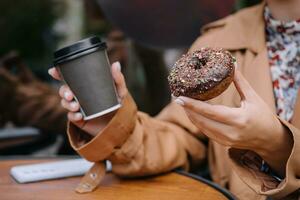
<point x="212" y="129"/>
<point x="243" y="87"/>
<point x="119" y="79"/>
<point x="217" y="113"/>
<point x="75" y="117"/>
<point x="66" y="93"/>
<point x="70" y="106"/>
<point x="54" y="73"/>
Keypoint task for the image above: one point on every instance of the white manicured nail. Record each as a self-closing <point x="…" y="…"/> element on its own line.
<point x="118" y="65"/>
<point x="78" y="116"/>
<point x="179" y="101"/>
<point x="51" y="71"/>
<point x="74" y="104"/>
<point x="173" y="97"/>
<point x="67" y="95"/>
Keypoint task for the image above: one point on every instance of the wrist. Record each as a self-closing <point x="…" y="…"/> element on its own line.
<point x="277" y="148"/>
<point x="98" y="124"/>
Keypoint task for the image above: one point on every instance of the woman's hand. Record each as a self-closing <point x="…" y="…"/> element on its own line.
<point x="251" y="126"/>
<point x="92" y="126"/>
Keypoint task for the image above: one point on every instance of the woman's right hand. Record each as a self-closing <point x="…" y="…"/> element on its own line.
<point x="95" y="125"/>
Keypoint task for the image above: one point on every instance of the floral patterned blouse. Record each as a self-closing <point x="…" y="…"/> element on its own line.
<point x="283" y="44"/>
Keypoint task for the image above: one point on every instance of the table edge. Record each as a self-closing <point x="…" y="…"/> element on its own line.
<point x="224" y="191"/>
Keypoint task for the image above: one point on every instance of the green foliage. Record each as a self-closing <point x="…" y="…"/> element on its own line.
<point x="26" y="26"/>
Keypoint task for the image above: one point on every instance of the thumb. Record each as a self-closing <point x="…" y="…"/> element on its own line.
<point x="54" y="73"/>
<point x="244" y="89"/>
<point x="119" y="79"/>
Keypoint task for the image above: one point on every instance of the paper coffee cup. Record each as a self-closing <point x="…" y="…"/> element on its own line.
<point x="85" y="68"/>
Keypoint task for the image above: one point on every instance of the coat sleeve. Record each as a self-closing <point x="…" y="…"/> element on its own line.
<point x="247" y="165"/>
<point x="139" y="145"/>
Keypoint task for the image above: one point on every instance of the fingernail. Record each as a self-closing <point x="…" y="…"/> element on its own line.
<point x="74" y="104"/>
<point x="179" y="101"/>
<point x="67" y="95"/>
<point x="118" y="65"/>
<point x="173" y="97"/>
<point x="78" y="116"/>
<point x="49" y="71"/>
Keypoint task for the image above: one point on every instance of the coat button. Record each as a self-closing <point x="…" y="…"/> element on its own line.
<point x="93" y="175"/>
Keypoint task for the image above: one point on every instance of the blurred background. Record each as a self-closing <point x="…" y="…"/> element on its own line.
<point x="147" y="37"/>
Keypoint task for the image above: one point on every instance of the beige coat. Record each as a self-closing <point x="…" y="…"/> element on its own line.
<point x="139" y="145"/>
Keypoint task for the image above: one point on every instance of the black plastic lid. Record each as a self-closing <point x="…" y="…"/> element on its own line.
<point x="64" y="54"/>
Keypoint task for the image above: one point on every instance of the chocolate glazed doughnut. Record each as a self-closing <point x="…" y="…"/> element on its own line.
<point x="202" y="74"/>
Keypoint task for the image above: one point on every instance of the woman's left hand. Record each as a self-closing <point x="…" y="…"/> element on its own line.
<point x="251" y="126"/>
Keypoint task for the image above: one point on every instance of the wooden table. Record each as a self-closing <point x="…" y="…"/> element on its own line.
<point x="171" y="186"/>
